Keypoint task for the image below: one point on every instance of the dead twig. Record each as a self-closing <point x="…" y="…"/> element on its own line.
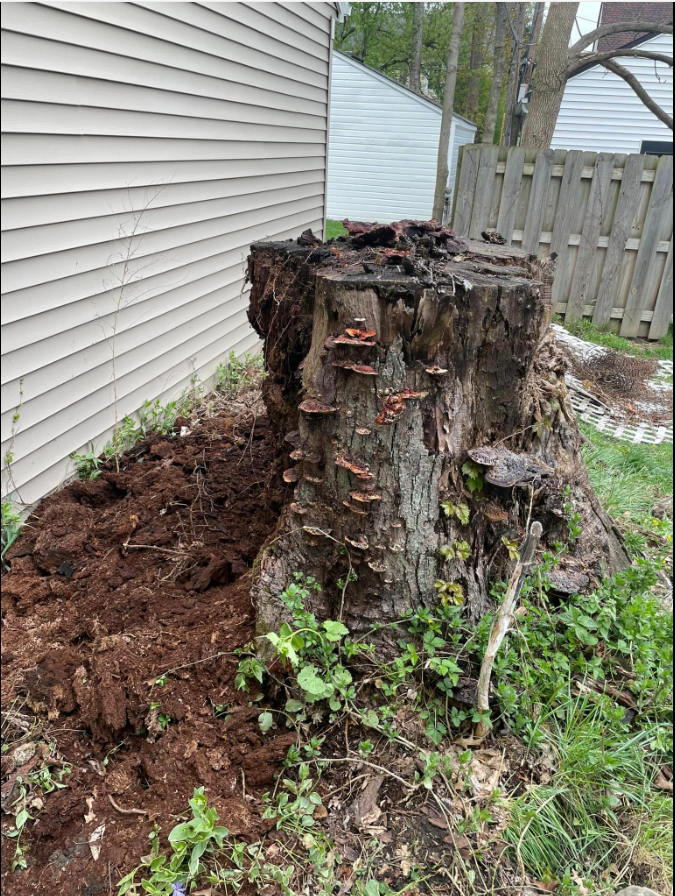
<point x="504" y="621"/>
<point x="122" y="811"/>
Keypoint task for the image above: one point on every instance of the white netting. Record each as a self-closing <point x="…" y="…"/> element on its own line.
<point x="610" y="420"/>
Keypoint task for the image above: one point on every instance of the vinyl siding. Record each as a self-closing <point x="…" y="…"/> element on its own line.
<point x="383" y="146"/>
<point x="601" y="113"/>
<point x="211" y="115"/>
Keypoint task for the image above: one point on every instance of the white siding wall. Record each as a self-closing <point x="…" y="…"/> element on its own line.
<point x="383" y="146"/>
<point x="213" y="113"/>
<point x="601" y="113"/>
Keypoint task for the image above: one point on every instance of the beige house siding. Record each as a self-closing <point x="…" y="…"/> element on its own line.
<point x="214" y="114"/>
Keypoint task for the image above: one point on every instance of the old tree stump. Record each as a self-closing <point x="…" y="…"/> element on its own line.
<point x="405" y="368"/>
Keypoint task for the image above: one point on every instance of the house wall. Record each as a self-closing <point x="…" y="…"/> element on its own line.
<point x="203" y="125"/>
<point x="601" y="113"/>
<point x="383" y="146"/>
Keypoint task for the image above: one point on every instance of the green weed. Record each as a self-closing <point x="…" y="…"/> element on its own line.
<point x="585" y="329"/>
<point x="237" y="375"/>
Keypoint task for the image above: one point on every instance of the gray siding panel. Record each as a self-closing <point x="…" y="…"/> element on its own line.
<point x="214" y="117"/>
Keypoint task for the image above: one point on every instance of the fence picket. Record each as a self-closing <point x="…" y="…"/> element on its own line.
<point x="508" y="205"/>
<point x="537" y="205"/>
<point x="664" y="302"/>
<point x="588" y="247"/>
<point x="466" y="187"/>
<point x="487" y="169"/>
<point x="660" y="202"/>
<point x="621" y="229"/>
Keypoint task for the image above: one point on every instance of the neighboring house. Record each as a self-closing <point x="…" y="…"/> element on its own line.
<point x="612" y="13"/>
<point x="600" y="112"/>
<point x="214" y="114"/>
<point x="384" y="146"/>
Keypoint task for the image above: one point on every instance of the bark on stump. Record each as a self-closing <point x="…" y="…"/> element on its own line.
<point x="394" y="356"/>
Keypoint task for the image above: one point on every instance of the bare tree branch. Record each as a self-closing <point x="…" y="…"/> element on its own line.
<point x="614" y="67"/>
<point x="618" y="28"/>
<point x="584" y="59"/>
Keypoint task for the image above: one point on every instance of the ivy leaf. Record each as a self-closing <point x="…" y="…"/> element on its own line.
<point x="266" y="721"/>
<point x="312" y="683"/>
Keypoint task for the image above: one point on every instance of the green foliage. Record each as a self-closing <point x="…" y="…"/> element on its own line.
<point x="237" y="375"/>
<point x="313" y="654"/>
<point x="193" y="843"/>
<point x="474" y="475"/>
<point x="11" y="526"/>
<point x="333" y="229"/>
<point x="459" y="550"/>
<point x="461" y="511"/>
<point x="87" y="465"/>
<point x="380" y="34"/>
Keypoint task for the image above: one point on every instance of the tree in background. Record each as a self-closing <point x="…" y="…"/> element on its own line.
<point x="479" y="31"/>
<point x="499" y="68"/>
<point x="415" y="80"/>
<point x="557" y="61"/>
<point x="448" y="108"/>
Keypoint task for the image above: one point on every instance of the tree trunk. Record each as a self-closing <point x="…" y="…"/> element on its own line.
<point x="510" y="135"/>
<point x="416" y="55"/>
<point x="443" y="169"/>
<point x="392" y="362"/>
<point x="497" y="75"/>
<point x="548" y="85"/>
<point x="476" y="61"/>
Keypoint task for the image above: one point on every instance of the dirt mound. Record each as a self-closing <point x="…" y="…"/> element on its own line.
<point x="126" y="598"/>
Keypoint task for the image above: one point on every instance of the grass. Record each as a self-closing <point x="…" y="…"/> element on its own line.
<point x="333" y="229"/>
<point x="585" y="329"/>
<point x="599" y="811"/>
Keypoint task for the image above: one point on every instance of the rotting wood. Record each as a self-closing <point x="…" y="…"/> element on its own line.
<point x="457" y="333"/>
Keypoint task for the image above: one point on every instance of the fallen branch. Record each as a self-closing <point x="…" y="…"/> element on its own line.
<point x="504" y="621"/>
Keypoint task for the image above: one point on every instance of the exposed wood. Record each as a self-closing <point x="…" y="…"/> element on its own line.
<point x="595" y="209"/>
<point x="660" y="206"/>
<point x="621" y="228"/>
<point x="511" y="192"/>
<point x="663" y="311"/>
<point x="541" y="177"/>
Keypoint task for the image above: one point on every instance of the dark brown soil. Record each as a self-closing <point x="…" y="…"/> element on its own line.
<point x="112" y="584"/>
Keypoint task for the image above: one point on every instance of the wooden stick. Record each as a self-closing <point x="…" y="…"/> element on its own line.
<point x="504" y="621"/>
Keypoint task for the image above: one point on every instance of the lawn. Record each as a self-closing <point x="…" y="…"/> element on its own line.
<point x="333" y="229"/>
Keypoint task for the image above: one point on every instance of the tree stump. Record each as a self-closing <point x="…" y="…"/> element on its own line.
<point x="422" y="405"/>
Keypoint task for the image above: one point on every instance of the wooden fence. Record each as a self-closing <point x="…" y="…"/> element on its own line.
<point x="608" y="217"/>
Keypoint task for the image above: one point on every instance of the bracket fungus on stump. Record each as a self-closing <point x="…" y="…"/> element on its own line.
<point x="397" y="354"/>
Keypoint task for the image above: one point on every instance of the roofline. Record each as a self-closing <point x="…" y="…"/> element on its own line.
<point x="420" y="97"/>
<point x="633" y="43"/>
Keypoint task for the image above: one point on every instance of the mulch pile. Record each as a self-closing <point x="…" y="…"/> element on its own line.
<point x="113" y="583"/>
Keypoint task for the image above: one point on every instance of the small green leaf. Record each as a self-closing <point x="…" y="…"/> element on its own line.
<point x="335" y="631"/>
<point x="266" y="721"/>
